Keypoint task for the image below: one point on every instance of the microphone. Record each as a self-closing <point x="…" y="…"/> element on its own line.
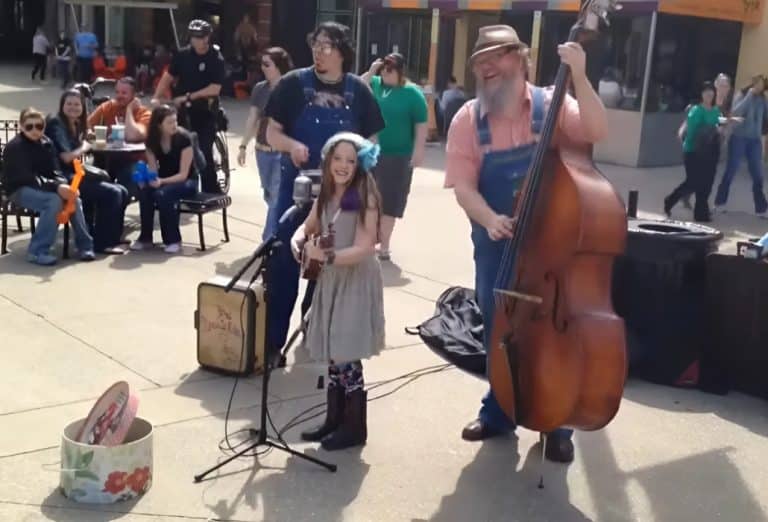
<point x="306" y="187"/>
<point x="302" y="190"/>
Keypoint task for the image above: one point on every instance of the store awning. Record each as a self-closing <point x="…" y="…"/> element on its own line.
<point x="125" y="4"/>
<point x="139" y="4"/>
<point x="748" y="11"/>
<point x="633" y="6"/>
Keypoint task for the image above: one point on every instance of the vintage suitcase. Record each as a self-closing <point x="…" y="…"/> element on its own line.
<point x="230" y="327"/>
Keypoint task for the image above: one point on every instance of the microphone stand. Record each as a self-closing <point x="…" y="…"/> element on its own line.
<point x="262" y="254"/>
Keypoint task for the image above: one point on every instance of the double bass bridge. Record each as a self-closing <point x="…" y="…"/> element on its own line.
<point x="535" y="299"/>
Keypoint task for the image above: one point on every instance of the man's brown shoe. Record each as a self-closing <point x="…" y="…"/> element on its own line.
<point x="477" y="430"/>
<point x="559" y="449"/>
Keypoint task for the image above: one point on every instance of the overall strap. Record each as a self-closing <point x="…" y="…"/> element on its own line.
<point x="483" y="128"/>
<point x="349" y="89"/>
<point x="537" y="113"/>
<point x="307" y="77"/>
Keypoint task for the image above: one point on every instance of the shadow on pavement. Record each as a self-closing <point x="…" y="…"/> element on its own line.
<point x="57" y="507"/>
<point x="15" y="261"/>
<point x="134" y="260"/>
<point x="284" y="495"/>
<point x="707" y="486"/>
<point x="492" y="487"/>
<point x="230" y="269"/>
<point x="392" y="274"/>
<point x="735" y="407"/>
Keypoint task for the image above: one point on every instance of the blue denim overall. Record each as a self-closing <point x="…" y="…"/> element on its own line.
<point x="501" y="175"/>
<point x="313" y="128"/>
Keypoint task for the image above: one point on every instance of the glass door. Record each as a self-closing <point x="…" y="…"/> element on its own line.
<point x="18" y="21"/>
<point x="399" y="32"/>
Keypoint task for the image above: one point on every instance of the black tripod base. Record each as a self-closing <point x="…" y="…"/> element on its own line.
<point x="271" y="444"/>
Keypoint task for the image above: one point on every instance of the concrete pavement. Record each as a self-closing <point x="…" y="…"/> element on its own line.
<point x="70" y="331"/>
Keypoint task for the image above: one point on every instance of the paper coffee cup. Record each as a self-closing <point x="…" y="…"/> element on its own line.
<point x="118" y="133"/>
<point x="101" y="133"/>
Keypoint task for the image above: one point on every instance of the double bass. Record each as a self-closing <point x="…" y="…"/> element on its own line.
<point x="557" y="354"/>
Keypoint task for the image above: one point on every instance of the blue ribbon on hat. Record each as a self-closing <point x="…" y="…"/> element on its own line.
<point x="368" y="155"/>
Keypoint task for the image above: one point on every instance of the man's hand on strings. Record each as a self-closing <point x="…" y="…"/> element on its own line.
<point x="501" y="227"/>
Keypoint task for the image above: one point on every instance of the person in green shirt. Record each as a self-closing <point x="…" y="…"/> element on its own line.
<point x="701" y="149"/>
<point x="402" y="141"/>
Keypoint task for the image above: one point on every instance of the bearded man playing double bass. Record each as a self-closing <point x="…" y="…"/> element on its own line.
<point x="491" y="142"/>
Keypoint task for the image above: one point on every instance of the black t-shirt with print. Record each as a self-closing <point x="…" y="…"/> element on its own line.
<point x="287" y="102"/>
<point x="169" y="163"/>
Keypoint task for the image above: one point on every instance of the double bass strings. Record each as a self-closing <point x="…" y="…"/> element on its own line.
<point x="536" y="171"/>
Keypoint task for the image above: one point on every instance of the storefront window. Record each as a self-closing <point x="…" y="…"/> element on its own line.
<point x="622" y="70"/>
<point x="616" y="61"/>
<point x="346" y="19"/>
<point x="689" y="51"/>
<point x="341" y="11"/>
<point x="399" y="32"/>
<point x="335" y="5"/>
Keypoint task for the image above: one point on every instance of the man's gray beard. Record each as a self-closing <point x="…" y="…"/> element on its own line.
<point x="498" y="101"/>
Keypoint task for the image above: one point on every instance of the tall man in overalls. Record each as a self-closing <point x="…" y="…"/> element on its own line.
<point x="306" y="108"/>
<point x="491" y="142"/>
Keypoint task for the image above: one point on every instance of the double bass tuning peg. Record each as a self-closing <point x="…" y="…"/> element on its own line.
<point x="600" y="9"/>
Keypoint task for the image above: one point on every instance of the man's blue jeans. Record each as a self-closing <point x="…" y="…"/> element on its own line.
<point x="738" y="148"/>
<point x="268" y="164"/>
<point x="49" y="204"/>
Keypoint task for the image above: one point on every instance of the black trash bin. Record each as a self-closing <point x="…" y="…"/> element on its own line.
<point x="659" y="289"/>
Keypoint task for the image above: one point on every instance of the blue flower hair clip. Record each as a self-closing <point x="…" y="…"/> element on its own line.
<point x="367" y="152"/>
<point x="368" y="155"/>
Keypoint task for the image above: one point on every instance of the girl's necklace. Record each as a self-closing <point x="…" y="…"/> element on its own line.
<point x="385" y="92"/>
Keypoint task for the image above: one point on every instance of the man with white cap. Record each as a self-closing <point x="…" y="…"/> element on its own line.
<point x="491" y="142"/>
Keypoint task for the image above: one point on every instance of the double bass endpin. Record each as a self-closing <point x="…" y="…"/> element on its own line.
<point x="517" y="295"/>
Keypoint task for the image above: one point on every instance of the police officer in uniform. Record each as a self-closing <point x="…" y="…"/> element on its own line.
<point x="194" y="77"/>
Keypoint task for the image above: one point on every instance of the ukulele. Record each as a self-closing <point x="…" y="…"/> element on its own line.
<point x="310" y="268"/>
<point x="69" y="207"/>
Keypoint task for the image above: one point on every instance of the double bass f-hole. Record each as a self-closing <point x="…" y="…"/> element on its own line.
<point x="552" y="304"/>
<point x="559" y="321"/>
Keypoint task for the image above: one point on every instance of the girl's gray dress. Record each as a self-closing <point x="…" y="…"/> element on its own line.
<point x="346" y="322"/>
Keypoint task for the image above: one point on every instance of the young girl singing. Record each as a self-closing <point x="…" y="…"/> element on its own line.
<point x="346" y="322"/>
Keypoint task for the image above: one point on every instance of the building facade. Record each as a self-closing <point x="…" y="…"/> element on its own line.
<point x="647" y="65"/>
<point x="128" y="24"/>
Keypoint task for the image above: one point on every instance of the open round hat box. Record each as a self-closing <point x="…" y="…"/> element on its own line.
<point x="107" y="456"/>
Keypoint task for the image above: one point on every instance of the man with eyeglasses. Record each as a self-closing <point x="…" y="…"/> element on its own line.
<point x="198" y="74"/>
<point x="307" y="107"/>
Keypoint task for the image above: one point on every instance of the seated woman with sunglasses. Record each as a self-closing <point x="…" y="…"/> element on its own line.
<point x="104" y="200"/>
<point x="170" y="153"/>
<point x="33" y="181"/>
